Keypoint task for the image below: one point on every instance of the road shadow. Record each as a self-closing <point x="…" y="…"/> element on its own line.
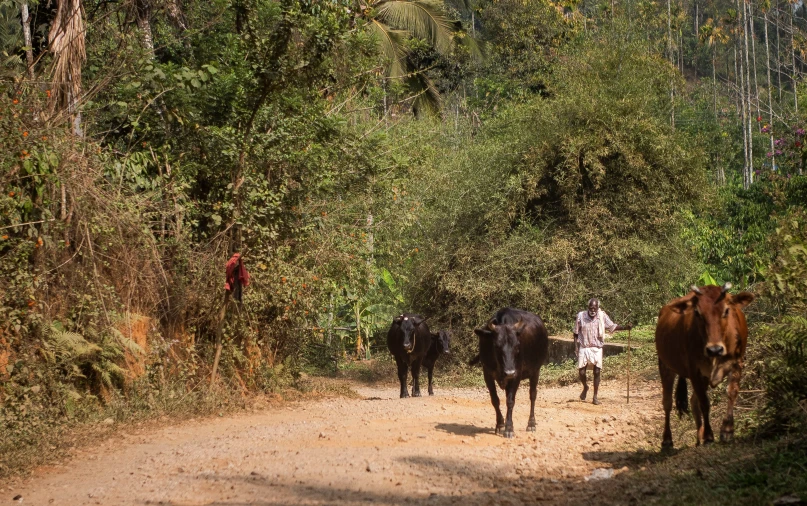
<point x="439" y="481"/>
<point x="463" y="429"/>
<point x="631" y="459"/>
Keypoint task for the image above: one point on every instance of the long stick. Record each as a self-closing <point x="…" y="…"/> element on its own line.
<point x="219" y="328"/>
<point x="628" y="367"/>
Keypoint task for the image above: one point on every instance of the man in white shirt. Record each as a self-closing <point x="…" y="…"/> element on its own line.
<point x="589" y="332"/>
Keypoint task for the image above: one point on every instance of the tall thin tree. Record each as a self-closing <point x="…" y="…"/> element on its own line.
<point x="26" y="33"/>
<point x="766" y="8"/>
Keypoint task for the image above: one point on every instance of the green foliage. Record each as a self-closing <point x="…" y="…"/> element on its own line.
<point x="520" y="39"/>
<point x="787" y="277"/>
<point x="784" y="373"/>
<point x="560" y="199"/>
<point x="730" y="234"/>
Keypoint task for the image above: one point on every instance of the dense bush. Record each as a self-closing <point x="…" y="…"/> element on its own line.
<point x="560" y="199"/>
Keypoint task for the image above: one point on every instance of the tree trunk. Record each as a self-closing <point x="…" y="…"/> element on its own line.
<point x="741" y="80"/>
<point x="749" y="122"/>
<point x="143" y="15"/>
<point x="66" y="38"/>
<point x="670" y="56"/>
<point x="793" y="54"/>
<point x="26" y="33"/>
<point x="770" y="97"/>
<point x="778" y="58"/>
<point x="176" y="16"/>
<point x="754" y="55"/>
<point x="714" y="77"/>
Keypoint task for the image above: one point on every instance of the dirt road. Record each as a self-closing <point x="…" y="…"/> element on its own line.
<point x="378" y="448"/>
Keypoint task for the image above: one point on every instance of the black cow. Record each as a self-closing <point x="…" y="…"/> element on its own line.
<point x="409" y="340"/>
<point x="440" y="342"/>
<point x="512" y="346"/>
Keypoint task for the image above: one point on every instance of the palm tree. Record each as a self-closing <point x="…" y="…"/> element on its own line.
<point x="66" y="40"/>
<point x="393" y="22"/>
<point x="710" y="36"/>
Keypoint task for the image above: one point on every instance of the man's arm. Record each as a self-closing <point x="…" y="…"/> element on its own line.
<point x="612" y="327"/>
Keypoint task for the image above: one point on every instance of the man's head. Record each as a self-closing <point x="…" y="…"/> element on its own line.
<point x="593" y="307"/>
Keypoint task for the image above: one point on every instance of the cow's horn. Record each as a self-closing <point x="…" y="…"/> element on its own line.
<point x="726" y="287"/>
<point x="696" y="289"/>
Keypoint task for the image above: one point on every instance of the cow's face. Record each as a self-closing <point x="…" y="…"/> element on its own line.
<point x="504" y="338"/>
<point x="716" y="309"/>
<point x="443" y="340"/>
<point x="408" y="326"/>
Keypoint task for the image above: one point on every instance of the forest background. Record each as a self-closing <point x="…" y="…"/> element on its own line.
<point x="368" y="158"/>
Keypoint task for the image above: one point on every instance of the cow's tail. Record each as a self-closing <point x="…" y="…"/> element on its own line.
<point x="475" y="360"/>
<point x="681" y="401"/>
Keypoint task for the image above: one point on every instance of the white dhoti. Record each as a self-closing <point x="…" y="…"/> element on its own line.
<point x="589" y="356"/>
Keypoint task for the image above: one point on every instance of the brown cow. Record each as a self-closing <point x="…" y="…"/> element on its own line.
<point x="702" y="337"/>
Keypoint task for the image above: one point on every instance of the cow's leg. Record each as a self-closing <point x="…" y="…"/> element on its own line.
<point x="597" y="371"/>
<point x="581" y="374"/>
<point x="494" y="399"/>
<point x="512" y="388"/>
<point x="727" y="429"/>
<point x="700" y="386"/>
<point x="533" y="395"/>
<point x="667" y="381"/>
<point x="695" y="405"/>
<point x="416" y="377"/>
<point x="402" y="373"/>
<point x="430" y="369"/>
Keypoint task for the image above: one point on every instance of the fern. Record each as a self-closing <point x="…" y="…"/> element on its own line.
<point x="69" y="345"/>
<point x="83" y="359"/>
<point x="128" y="344"/>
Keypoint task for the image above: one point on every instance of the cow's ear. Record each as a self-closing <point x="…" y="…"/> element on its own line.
<point x="417" y="320"/>
<point x="483" y="333"/>
<point x="518" y="325"/>
<point x="683" y="305"/>
<point x="742" y="299"/>
<point x="398" y="319"/>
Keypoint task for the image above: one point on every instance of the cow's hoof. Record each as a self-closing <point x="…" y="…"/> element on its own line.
<point x="415" y="394"/>
<point x="666" y="445"/>
<point x="595" y="401"/>
<point x="530" y="428"/>
<point x="499" y="429"/>
<point x="708" y="441"/>
<point x="404" y="395"/>
<point x="431" y="393"/>
<point x="726" y="437"/>
<point x="509" y="434"/>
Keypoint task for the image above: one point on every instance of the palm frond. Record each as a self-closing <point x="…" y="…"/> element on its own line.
<point x="428" y="98"/>
<point x="10" y="28"/>
<point x="390" y="43"/>
<point x="475" y="47"/>
<point x="423" y="20"/>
